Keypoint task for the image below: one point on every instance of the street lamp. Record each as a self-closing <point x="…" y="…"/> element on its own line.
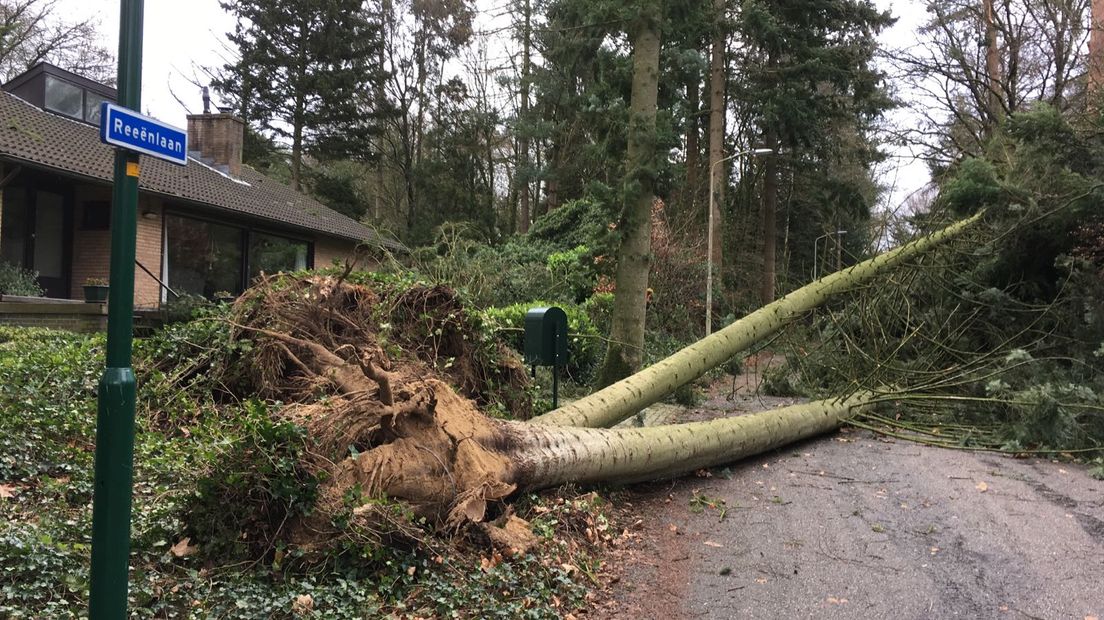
<point x="709" y="235"/>
<point x="816" y="257"/>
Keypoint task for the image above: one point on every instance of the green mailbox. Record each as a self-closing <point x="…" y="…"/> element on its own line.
<point x="546" y="343"/>
<point x="546" y="337"/>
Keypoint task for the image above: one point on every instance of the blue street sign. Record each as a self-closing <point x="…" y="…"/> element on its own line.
<point x="131" y="130"/>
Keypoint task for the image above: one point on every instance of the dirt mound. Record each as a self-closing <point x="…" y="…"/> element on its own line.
<point x="387" y="386"/>
<point x="409" y="333"/>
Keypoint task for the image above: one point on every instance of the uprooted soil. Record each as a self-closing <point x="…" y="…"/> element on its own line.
<point x="387" y="384"/>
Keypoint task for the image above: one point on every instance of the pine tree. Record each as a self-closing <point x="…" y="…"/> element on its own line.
<point x="307" y="74"/>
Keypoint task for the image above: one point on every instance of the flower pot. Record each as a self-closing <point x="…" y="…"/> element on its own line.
<point x="95" y="294"/>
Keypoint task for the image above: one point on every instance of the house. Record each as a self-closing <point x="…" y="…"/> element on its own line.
<point x="207" y="227"/>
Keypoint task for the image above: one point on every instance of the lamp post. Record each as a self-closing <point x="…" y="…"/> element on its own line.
<point x="709" y="235"/>
<point x="816" y="257"/>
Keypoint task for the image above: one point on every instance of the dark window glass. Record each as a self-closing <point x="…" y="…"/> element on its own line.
<point x="64" y="97"/>
<point x="203" y="258"/>
<point x="92" y="107"/>
<point x="271" y="254"/>
<point x="96" y="215"/>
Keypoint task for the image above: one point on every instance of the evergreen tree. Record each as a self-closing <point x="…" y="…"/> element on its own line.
<point x="307" y="74"/>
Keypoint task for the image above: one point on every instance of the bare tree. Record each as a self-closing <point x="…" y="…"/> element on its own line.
<point x="975" y="62"/>
<point x="32" y="32"/>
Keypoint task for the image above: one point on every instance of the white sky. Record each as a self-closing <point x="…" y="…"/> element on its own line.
<point x="181" y="35"/>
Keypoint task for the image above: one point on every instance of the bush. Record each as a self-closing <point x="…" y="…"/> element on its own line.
<point x="585" y="343"/>
<point x="14" y="280"/>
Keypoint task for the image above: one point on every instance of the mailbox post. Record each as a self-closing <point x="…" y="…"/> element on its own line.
<point x="546" y="343"/>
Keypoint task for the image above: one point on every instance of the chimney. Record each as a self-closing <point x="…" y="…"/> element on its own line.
<point x="218" y="140"/>
<point x="1096" y="47"/>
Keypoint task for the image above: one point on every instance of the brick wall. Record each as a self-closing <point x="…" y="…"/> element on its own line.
<point x="327" y="249"/>
<point x="147" y="292"/>
<point x="92" y="248"/>
<point x="71" y="317"/>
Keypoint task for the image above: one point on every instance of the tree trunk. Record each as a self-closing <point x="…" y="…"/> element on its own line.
<point x="769" y="219"/>
<point x="523" y="158"/>
<point x="992" y="65"/>
<point x="616" y="402"/>
<point x="585" y="455"/>
<point x="717" y="175"/>
<point x="625" y="350"/>
<point x="693" y="148"/>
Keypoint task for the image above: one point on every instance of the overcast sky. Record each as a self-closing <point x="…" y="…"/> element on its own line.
<point x="183" y="34"/>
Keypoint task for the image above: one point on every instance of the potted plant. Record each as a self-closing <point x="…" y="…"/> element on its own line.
<point x="95" y="290"/>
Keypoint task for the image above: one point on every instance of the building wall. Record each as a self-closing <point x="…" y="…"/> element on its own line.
<point x="147" y="292"/>
<point x="327" y="249"/>
<point x="92" y="248"/>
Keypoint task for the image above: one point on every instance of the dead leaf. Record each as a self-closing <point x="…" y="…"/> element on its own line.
<point x="303" y="605"/>
<point x="6" y="491"/>
<point x="710" y="543"/>
<point x="981" y="487"/>
<point x="183" y="549"/>
<point x="760" y="580"/>
<point x="837" y="601"/>
<point x="672" y="527"/>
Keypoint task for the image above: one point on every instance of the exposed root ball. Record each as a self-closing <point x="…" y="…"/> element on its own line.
<point x="369" y="375"/>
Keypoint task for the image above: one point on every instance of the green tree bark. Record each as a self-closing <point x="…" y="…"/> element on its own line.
<point x="625" y="350"/>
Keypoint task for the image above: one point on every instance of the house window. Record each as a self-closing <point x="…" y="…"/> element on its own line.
<point x="271" y="254"/>
<point x="203" y="258"/>
<point x="64" y="98"/>
<point x="92" y="103"/>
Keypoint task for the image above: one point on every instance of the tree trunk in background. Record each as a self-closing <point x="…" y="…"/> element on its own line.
<point x="693" y="148"/>
<point x="769" y="218"/>
<point x="524" y="216"/>
<point x="992" y="65"/>
<point x="626" y="346"/>
<point x="716" y="144"/>
<point x="616" y="402"/>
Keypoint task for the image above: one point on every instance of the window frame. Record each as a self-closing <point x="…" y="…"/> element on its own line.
<point x="246" y="228"/>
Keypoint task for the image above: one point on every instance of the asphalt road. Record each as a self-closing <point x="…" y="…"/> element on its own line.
<point x="854" y="526"/>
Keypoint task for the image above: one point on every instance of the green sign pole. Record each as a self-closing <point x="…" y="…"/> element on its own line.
<point x="115" y="421"/>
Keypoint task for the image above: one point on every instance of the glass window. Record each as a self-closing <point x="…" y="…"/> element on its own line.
<point x="92" y="107"/>
<point x="64" y="97"/>
<point x="271" y="254"/>
<point x="203" y="258"/>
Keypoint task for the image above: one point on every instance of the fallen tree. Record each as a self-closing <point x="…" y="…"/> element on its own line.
<point x="385" y="421"/>
<point x="616" y="402"/>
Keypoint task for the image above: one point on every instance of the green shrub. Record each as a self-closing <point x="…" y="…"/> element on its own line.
<point x="14" y="280"/>
<point x="585" y="344"/>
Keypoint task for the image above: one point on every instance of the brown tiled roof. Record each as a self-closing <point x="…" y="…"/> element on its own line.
<point x="36" y="137"/>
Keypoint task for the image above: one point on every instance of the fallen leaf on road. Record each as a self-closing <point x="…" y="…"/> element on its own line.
<point x="760" y="580"/>
<point x="672" y="527"/>
<point x="837" y="601"/>
<point x="982" y="487"/>
<point x="1062" y="471"/>
<point x="710" y="543"/>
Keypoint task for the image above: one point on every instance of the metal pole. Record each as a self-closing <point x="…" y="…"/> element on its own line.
<point x="115" y="420"/>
